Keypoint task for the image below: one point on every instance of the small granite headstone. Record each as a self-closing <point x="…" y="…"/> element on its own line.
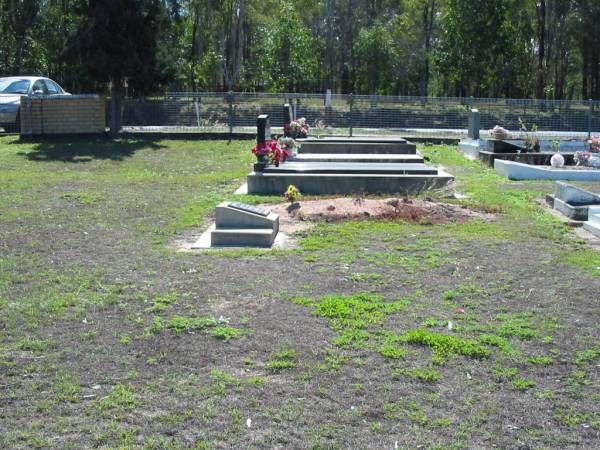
<point x="474" y="124"/>
<point x="263" y="129"/>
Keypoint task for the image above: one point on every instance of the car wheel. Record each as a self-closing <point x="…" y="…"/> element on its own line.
<point x="14" y="127"/>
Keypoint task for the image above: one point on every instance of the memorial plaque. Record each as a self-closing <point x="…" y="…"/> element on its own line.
<point x="250" y="209"/>
<point x="263" y="129"/>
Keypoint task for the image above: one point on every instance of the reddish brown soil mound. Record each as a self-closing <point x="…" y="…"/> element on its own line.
<point x="338" y="209"/>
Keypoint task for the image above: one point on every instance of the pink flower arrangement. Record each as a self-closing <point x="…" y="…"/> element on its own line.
<point x="272" y="152"/>
<point x="594" y="144"/>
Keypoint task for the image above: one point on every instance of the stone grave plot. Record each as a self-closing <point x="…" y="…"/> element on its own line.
<point x="572" y="201"/>
<point x="577" y="205"/>
<point x="345" y="166"/>
<point x="240" y="225"/>
<point x="488" y="150"/>
<point x="519" y="171"/>
<point x="360" y="146"/>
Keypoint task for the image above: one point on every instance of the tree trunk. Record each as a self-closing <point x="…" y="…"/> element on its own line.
<point x="428" y="18"/>
<point x="117" y="93"/>
<point x="541" y="10"/>
<point x="584" y="69"/>
<point x="329" y="13"/>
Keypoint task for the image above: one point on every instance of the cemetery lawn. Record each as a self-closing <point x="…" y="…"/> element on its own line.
<point x="368" y="335"/>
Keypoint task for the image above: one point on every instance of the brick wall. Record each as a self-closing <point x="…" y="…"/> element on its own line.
<point x="65" y="114"/>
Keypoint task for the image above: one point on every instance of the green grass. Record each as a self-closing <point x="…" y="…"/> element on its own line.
<point x="447" y="344"/>
<point x="282" y="360"/>
<point x="87" y="265"/>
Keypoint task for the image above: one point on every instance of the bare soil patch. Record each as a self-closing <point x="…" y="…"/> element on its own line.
<point x="298" y="216"/>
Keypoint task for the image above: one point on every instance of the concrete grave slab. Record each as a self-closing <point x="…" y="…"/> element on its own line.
<point x="331" y="146"/>
<point x="573" y="202"/>
<point x="332" y="183"/>
<point x="358" y="158"/>
<point x="519" y="171"/>
<point x="352" y="168"/>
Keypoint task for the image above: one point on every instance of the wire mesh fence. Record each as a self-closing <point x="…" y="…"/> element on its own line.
<point x="359" y="114"/>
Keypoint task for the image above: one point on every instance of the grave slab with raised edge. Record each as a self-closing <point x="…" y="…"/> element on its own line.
<point x="357" y="146"/>
<point x="572" y="201"/>
<point x="242" y="225"/>
<point x="357" y="158"/>
<point x="346" y="165"/>
<point x="519" y="171"/>
<point x="353" y="168"/>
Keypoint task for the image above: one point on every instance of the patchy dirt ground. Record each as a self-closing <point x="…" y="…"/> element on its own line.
<point x="469" y="332"/>
<point x="293" y="217"/>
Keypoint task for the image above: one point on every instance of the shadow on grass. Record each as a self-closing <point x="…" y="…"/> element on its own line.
<point x="82" y="150"/>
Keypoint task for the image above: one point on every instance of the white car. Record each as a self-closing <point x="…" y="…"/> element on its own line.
<point x="11" y="91"/>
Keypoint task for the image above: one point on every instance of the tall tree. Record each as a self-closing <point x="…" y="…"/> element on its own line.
<point x="117" y="42"/>
<point x="291" y="54"/>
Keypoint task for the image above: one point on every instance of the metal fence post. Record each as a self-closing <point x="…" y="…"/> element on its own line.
<point x="113" y="115"/>
<point x="350" y="118"/>
<point x="589" y="124"/>
<point x="230" y="118"/>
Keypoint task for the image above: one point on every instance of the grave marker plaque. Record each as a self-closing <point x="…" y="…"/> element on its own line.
<point x="250" y="208"/>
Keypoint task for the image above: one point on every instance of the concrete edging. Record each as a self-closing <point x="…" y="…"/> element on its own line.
<point x="519" y="171"/>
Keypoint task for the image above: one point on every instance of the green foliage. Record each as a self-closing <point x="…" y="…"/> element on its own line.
<point x="519" y="325"/>
<point x="282" y="360"/>
<point x="291" y="54"/>
<point x="588" y="355"/>
<point x="162" y="302"/>
<point x="523" y="384"/>
<point x="409" y="47"/>
<point x="585" y="258"/>
<point x="226" y="333"/>
<point x="426" y="375"/>
<point x="470" y="43"/>
<point x="179" y="324"/>
<point x="447" y="344"/>
<point x="120" y="399"/>
<point x="118" y="40"/>
<point x="377" y="60"/>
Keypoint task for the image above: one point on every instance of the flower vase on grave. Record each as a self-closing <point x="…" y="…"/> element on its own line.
<point x="261" y="163"/>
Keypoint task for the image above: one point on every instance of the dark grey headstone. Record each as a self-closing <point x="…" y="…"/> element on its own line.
<point x="474" y="124"/>
<point x="263" y="128"/>
<point x="288" y="116"/>
<point x="250" y="208"/>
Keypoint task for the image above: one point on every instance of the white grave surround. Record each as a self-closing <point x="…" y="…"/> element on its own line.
<point x="593" y="223"/>
<point x="471" y="147"/>
<point x="519" y="171"/>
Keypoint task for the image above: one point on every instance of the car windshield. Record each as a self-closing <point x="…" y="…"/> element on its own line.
<point x="14" y="86"/>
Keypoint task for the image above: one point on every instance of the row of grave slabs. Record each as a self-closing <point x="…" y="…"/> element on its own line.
<point x="327" y="166"/>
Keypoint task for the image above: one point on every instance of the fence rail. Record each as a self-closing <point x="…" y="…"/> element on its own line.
<point x="359" y="114"/>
